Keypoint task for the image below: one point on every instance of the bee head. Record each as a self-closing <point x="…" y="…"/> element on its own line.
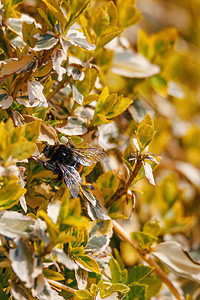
<point x="48" y="150"/>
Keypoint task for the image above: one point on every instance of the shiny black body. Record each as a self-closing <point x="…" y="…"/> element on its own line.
<point x="66" y="161"/>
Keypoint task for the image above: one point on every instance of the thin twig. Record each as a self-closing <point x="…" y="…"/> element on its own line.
<point x="148" y="260"/>
<point x="122" y="191"/>
<point x="62" y="286"/>
<point x="60" y="85"/>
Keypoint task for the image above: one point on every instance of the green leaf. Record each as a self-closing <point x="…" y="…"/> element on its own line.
<point x="3" y="295"/>
<point x="28" y="30"/>
<point x="189" y="297"/>
<point x="144" y="240"/>
<point x="137" y="292"/>
<point x="87" y="84"/>
<point x="127" y="13"/>
<point x="100" y="120"/>
<point x="87" y="263"/>
<point x="158" y="44"/>
<point x="56" y="11"/>
<point x="64" y="208"/>
<point x="51" y="227"/>
<point x="106" y="38"/>
<point x="159" y="84"/>
<point x="50" y="274"/>
<point x="84" y="294"/>
<point x="46" y="19"/>
<point x="119" y="107"/>
<point x="116" y="272"/>
<point x="19" y="151"/>
<point x="108" y="184"/>
<point x="31" y="130"/>
<point x="99" y="236"/>
<point x="152" y="227"/>
<point x="137" y="273"/>
<point x="74" y="9"/>
<point x="105" y="18"/>
<point x="10" y="194"/>
<point x="43" y="70"/>
<point x="145" y="132"/>
<point x="45" y="42"/>
<point x="116" y="287"/>
<point x="153" y="283"/>
<point x="102" y="100"/>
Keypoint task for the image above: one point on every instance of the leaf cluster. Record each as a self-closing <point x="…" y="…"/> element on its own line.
<point x="73" y="72"/>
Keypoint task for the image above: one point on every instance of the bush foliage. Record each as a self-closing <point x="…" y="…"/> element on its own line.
<point x="82" y="71"/>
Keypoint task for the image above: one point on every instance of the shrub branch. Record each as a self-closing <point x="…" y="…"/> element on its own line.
<point x="146" y="257"/>
<point x="123" y="190"/>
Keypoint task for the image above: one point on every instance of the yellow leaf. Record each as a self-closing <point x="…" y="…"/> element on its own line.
<point x="127" y="12"/>
<point x="87" y="263"/>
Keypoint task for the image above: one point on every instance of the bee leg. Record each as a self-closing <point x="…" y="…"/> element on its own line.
<point x="48" y="165"/>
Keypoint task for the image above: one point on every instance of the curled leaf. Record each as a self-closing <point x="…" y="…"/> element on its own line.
<point x="26" y="63"/>
<point x="177" y="260"/>
<point x="133" y="65"/>
<point x="5" y="100"/>
<point x="35" y="93"/>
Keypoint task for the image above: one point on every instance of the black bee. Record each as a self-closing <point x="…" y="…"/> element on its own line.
<point x="66" y="161"/>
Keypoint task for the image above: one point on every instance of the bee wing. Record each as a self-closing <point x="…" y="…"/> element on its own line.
<point x="88" y="156"/>
<point x="72" y="179"/>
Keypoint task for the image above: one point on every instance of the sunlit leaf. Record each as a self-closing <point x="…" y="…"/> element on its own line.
<point x="149" y="173"/>
<point x="77" y="96"/>
<point x="84" y="294"/>
<point x="77" y="38"/>
<point x="75" y="126"/>
<point x="64" y="259"/>
<point x="15" y="225"/>
<point x="133" y="65"/>
<point x="99" y="236"/>
<point x="138" y="272"/>
<point x="22" y="260"/>
<point x="145" y="131"/>
<point x="144" y="240"/>
<point x="108" y="184"/>
<point x="50" y="274"/>
<point x="45" y="42"/>
<point x="10" y="194"/>
<point x="87" y="263"/>
<point x="177" y="260"/>
<point x="127" y="13"/>
<point x="81" y="278"/>
<point x="28" y="30"/>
